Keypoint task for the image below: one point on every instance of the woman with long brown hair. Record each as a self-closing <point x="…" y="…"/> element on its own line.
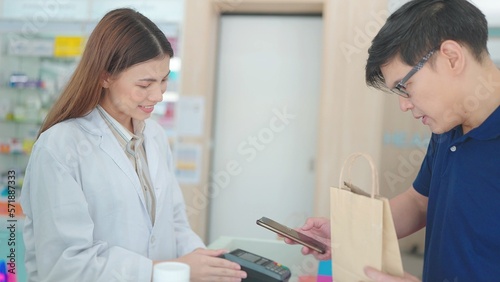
<point x="100" y="195"/>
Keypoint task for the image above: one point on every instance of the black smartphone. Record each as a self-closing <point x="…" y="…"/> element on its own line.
<point x="292" y="234"/>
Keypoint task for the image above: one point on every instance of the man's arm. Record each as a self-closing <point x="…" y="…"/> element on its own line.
<point x="409" y="211"/>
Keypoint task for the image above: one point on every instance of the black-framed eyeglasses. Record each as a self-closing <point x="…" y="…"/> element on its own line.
<point x="400" y="88"/>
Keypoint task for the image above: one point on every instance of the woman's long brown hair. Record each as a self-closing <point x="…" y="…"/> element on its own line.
<point x="122" y="38"/>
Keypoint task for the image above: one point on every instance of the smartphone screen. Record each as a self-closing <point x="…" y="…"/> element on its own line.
<point x="292" y="234"/>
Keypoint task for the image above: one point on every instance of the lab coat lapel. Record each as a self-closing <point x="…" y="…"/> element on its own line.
<point x="94" y="124"/>
<point x="109" y="145"/>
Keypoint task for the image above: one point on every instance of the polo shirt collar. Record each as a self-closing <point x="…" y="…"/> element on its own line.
<point x="489" y="129"/>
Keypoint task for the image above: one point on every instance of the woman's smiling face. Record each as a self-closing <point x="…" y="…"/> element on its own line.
<point x="134" y="92"/>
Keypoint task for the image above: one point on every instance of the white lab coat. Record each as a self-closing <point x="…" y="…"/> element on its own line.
<point x="86" y="218"/>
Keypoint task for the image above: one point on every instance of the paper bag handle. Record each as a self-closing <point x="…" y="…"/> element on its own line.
<point x="348" y="165"/>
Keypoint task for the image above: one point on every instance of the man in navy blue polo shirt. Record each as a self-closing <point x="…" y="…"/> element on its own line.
<point x="433" y="54"/>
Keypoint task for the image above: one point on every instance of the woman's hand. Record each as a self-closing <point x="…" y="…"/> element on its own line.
<point x="319" y="229"/>
<point x="207" y="266"/>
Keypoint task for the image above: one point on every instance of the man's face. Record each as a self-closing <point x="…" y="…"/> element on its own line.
<point x="432" y="93"/>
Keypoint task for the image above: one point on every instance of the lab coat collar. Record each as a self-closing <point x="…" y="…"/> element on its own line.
<point x="95" y="125"/>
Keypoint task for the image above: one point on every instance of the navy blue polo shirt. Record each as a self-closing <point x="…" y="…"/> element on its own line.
<point x="461" y="177"/>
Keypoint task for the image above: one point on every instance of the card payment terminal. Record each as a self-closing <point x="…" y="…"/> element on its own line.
<point x="258" y="269"/>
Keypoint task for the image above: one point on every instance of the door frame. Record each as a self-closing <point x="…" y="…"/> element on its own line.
<point x="199" y="57"/>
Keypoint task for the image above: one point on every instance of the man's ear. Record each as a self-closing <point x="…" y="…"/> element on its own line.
<point x="105" y="80"/>
<point x="454" y="55"/>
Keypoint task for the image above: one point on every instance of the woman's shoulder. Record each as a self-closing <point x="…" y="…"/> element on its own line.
<point x="63" y="134"/>
<point x="67" y="127"/>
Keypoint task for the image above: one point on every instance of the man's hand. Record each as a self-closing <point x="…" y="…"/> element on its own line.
<point x="319" y="229"/>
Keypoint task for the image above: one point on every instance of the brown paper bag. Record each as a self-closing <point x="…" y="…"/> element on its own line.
<point x="362" y="229"/>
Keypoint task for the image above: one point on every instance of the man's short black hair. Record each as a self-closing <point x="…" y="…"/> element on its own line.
<point x="422" y="25"/>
